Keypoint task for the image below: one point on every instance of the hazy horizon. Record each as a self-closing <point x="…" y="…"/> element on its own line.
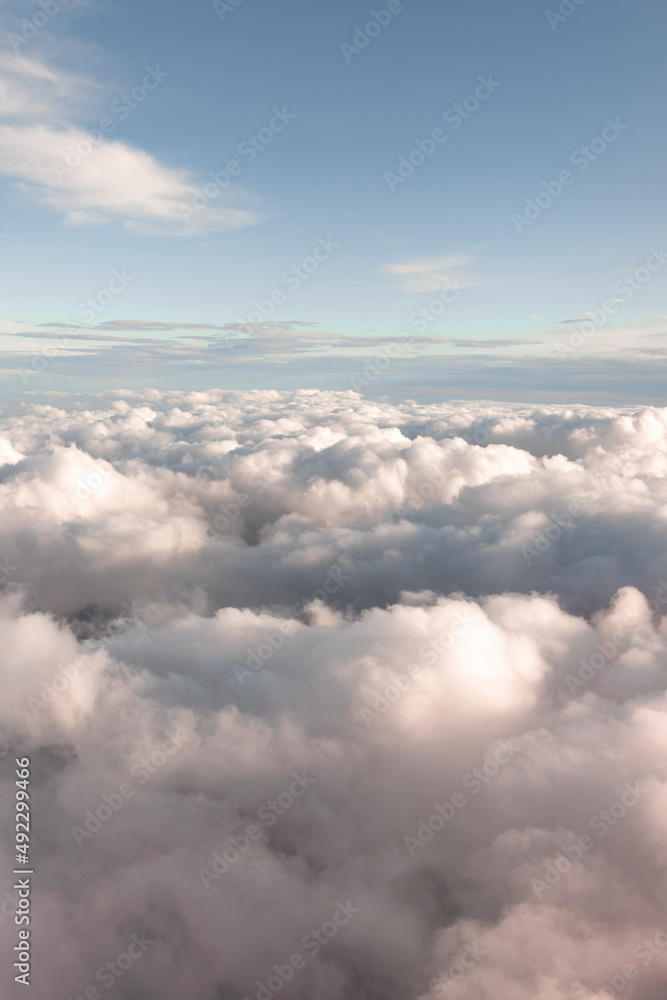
<point x="333" y="493"/>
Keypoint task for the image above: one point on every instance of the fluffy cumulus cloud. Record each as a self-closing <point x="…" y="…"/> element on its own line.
<point x="328" y="698"/>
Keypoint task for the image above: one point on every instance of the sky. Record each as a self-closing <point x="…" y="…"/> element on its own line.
<point x="478" y="179"/>
<point x="333" y="451"/>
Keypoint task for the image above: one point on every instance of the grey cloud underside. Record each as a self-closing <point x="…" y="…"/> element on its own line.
<point x="166" y="538"/>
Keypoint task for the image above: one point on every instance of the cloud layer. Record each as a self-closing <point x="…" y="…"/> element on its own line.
<point x="328" y="698"/>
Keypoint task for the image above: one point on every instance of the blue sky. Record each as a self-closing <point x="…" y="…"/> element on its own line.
<point x="333" y="120"/>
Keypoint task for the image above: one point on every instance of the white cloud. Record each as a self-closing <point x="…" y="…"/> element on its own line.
<point x="403" y="604"/>
<point x="92" y="183"/>
<point x="428" y="265"/>
<point x="430" y="274"/>
<point x="31" y="89"/>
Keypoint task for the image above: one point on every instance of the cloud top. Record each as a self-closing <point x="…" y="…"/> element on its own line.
<point x="326" y="697"/>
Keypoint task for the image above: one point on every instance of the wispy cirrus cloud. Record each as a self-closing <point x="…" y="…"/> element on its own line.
<point x="31" y="89"/>
<point x="430" y="274"/>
